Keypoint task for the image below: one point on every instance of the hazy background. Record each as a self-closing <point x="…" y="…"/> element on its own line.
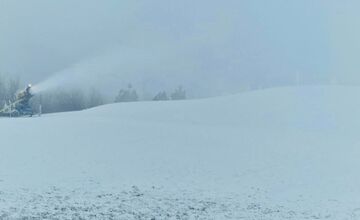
<point x="209" y="47"/>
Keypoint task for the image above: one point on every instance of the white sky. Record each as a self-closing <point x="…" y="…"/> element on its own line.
<point x="211" y="47"/>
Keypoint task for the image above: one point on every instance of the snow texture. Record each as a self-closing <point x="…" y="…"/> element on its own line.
<point x="286" y="153"/>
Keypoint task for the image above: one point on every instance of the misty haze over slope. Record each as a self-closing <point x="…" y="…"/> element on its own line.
<point x="211" y="47"/>
<point x="107" y="109"/>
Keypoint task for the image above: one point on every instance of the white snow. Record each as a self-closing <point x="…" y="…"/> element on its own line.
<point x="285" y="153"/>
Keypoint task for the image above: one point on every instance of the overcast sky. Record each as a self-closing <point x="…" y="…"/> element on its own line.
<point x="210" y="47"/>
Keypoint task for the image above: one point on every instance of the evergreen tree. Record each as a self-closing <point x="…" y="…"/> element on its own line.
<point x="161" y="96"/>
<point x="179" y="94"/>
<point x="127" y="95"/>
<point x="12" y="88"/>
<point x="2" y="91"/>
<point x="94" y="99"/>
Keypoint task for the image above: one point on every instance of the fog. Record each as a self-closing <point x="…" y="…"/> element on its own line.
<point x="209" y="47"/>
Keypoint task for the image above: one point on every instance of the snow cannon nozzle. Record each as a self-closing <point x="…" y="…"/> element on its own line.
<point x="28" y="88"/>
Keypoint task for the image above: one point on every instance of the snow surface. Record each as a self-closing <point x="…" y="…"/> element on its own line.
<point x="285" y="153"/>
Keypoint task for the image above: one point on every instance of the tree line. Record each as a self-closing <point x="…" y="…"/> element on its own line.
<point x="64" y="100"/>
<point x="130" y="94"/>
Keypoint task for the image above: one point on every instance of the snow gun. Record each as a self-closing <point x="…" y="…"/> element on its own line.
<point x="20" y="106"/>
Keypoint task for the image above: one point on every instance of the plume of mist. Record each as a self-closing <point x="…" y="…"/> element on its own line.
<point x="209" y="47"/>
<point x="85" y="72"/>
<point x="96" y="71"/>
<point x="123" y="64"/>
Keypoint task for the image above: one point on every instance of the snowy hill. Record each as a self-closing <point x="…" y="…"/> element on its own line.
<point x="285" y="153"/>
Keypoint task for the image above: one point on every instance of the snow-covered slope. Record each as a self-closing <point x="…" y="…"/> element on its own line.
<point x="286" y="153"/>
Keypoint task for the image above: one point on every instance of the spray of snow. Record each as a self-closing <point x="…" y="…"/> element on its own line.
<point x="86" y="72"/>
<point x="124" y="65"/>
